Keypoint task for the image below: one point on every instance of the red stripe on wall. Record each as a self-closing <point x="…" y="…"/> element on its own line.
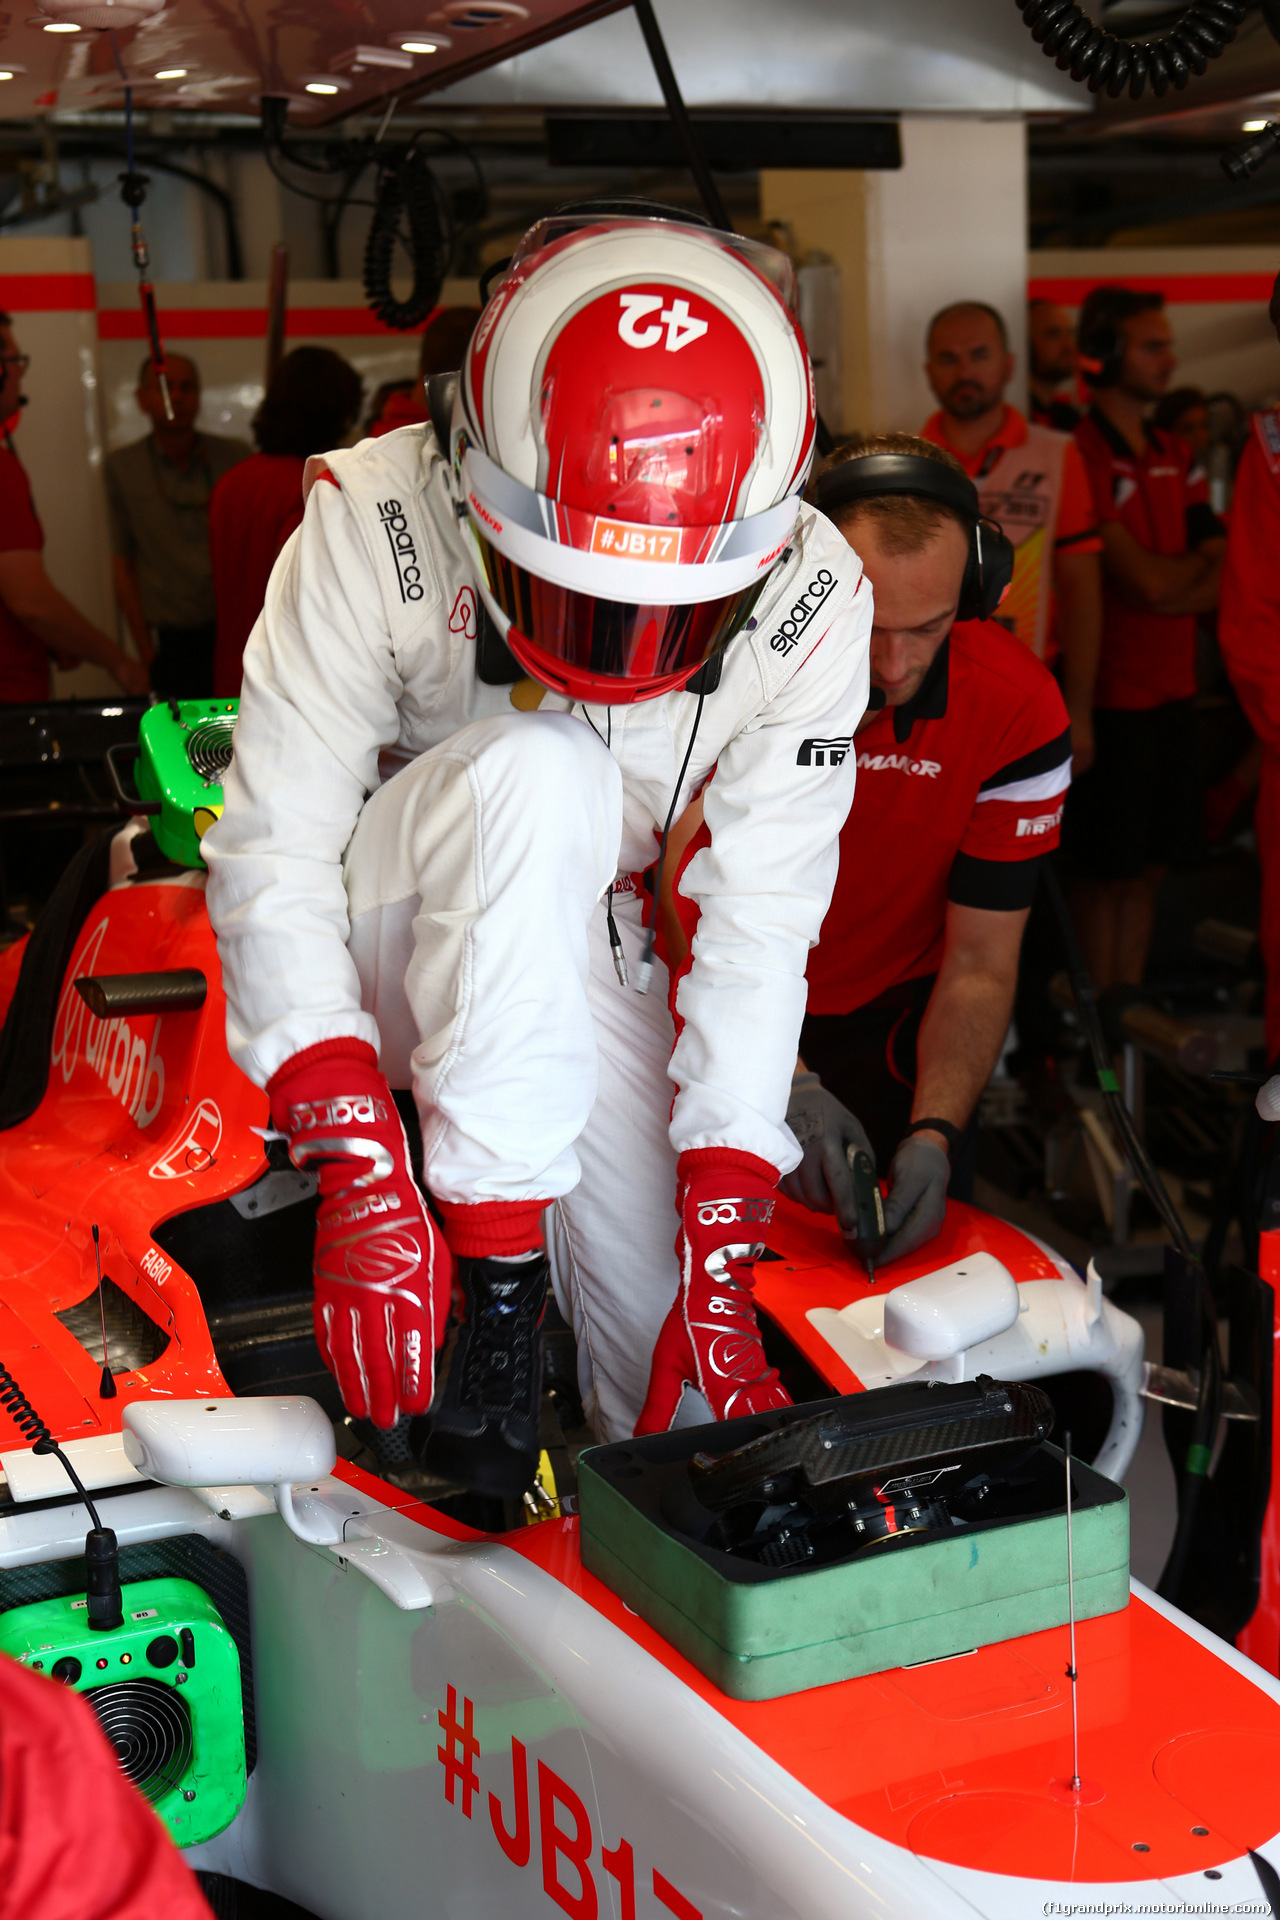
<point x="47" y="292"/>
<point x="1179" y="289"/>
<point x="240" y="323"/>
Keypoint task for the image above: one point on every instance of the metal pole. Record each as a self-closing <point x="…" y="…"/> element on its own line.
<point x="693" y="154"/>
<point x="1072" y="1674"/>
<point x="277" y="303"/>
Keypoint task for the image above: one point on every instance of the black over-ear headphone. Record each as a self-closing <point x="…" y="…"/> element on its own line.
<point x="989" y="568"/>
<point x="1100" y="352"/>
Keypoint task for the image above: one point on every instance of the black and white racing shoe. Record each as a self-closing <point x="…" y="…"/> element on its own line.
<point x="484" y="1427"/>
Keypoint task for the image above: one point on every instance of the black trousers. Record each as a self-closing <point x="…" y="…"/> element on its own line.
<point x="867" y="1059"/>
<point x="183" y="665"/>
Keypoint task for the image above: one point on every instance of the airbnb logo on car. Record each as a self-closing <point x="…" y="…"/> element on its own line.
<point x="128" y="1062"/>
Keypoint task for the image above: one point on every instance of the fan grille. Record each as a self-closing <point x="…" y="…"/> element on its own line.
<point x="149" y="1726"/>
<point x="209" y="747"/>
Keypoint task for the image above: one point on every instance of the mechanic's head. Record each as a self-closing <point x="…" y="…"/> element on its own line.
<point x="967" y="359"/>
<point x="184" y="393"/>
<point x="914" y="551"/>
<point x="13" y="364"/>
<point x="1125" y="342"/>
<point x="310" y="405"/>
<point x="1185" y="412"/>
<point x="624" y="526"/>
<point x="1051" y="342"/>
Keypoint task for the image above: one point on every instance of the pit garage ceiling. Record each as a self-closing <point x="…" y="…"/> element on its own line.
<point x="847" y="56"/>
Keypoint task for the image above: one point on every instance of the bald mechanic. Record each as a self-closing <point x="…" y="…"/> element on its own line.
<point x="1249" y="636"/>
<point x="1032" y="482"/>
<point x="1051" y="348"/>
<point x="962" y="773"/>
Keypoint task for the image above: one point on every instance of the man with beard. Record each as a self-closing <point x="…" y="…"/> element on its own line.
<point x="1031" y="481"/>
<point x="1051" y="342"/>
<point x="1162" y="563"/>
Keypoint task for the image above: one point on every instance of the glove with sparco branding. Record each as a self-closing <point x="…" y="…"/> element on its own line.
<point x="382" y="1270"/>
<point x="917" y="1202"/>
<point x="710" y="1340"/>
<point x="825" y="1131"/>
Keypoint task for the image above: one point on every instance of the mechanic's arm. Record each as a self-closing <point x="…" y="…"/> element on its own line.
<point x="967" y="1017"/>
<point x="32" y="598"/>
<point x="1162" y="582"/>
<point x="1078" y="578"/>
<point x="130" y="602"/>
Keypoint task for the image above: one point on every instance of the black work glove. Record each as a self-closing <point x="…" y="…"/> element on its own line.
<point x="917" y="1202"/>
<point x="825" y="1131"/>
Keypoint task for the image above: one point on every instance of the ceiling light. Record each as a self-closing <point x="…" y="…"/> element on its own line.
<point x="419" y="46"/>
<point x="172" y="73"/>
<point x="1254" y="126"/>
<point x="6" y="73"/>
<point x="322" y="86"/>
<point x="61" y="26"/>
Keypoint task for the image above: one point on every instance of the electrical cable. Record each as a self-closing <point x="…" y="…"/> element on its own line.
<point x="133" y="191"/>
<point x="1108" y="64"/>
<point x="101" y="1549"/>
<point x="407" y="196"/>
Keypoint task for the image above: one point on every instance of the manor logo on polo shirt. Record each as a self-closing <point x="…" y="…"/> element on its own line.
<point x="898" y="763"/>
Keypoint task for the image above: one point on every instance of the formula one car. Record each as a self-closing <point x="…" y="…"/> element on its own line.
<point x="813" y="1664"/>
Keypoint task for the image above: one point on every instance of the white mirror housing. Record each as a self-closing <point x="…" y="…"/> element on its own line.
<point x="944" y="1313"/>
<point x="258" y="1441"/>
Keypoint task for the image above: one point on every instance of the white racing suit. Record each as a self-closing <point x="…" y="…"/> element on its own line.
<point x="406" y="858"/>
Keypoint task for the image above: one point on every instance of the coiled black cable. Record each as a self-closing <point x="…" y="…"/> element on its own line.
<point x="406" y="211"/>
<point x="1108" y="64"/>
<point x="28" y="1421"/>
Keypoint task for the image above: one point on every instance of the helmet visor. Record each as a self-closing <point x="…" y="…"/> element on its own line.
<point x="611" y="638"/>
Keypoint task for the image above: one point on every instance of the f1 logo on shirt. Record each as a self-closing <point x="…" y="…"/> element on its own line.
<point x="680" y="324"/>
<point x="825" y="753"/>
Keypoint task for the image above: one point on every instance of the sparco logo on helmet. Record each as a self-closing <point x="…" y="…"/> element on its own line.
<point x="403" y="551"/>
<point x="802" y="611"/>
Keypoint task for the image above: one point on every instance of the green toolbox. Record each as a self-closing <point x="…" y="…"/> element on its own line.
<point x="165" y="1687"/>
<point x="791" y="1549"/>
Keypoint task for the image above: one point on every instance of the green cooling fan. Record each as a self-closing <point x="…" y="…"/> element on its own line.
<point x="183" y="751"/>
<point x="165" y="1687"/>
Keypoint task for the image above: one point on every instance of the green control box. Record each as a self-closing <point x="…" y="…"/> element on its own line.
<point x="185" y="749"/>
<point x="165" y="1687"/>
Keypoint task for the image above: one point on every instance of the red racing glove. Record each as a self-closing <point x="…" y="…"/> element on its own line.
<point x="710" y="1339"/>
<point x="382" y="1270"/>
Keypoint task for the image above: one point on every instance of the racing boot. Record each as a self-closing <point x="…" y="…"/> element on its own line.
<point x="484" y="1427"/>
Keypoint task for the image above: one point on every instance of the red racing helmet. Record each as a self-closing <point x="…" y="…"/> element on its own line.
<point x="633" y="429"/>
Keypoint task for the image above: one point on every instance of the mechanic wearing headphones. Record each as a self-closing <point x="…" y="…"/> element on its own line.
<point x="962" y="772"/>
<point x="616" y="495"/>
<point x="1161" y="562"/>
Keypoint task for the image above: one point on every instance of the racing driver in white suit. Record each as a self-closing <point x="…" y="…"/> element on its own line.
<point x="422" y="879"/>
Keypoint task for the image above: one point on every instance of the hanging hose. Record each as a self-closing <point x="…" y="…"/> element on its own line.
<point x="1109" y="64"/>
<point x="133" y="191"/>
<point x="406" y="212"/>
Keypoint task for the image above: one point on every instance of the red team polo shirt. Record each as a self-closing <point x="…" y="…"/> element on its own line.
<point x="959" y="795"/>
<point x="1147" y="658"/>
<point x="253" y="509"/>
<point x="24" y="661"/>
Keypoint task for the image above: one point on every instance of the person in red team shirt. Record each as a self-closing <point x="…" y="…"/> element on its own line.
<point x="77" y="1842"/>
<point x="1162" y="559"/>
<point x="1249" y="636"/>
<point x="310" y="406"/>
<point x="964" y="757"/>
<point x="1031" y="482"/>
<point x="35" y="619"/>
